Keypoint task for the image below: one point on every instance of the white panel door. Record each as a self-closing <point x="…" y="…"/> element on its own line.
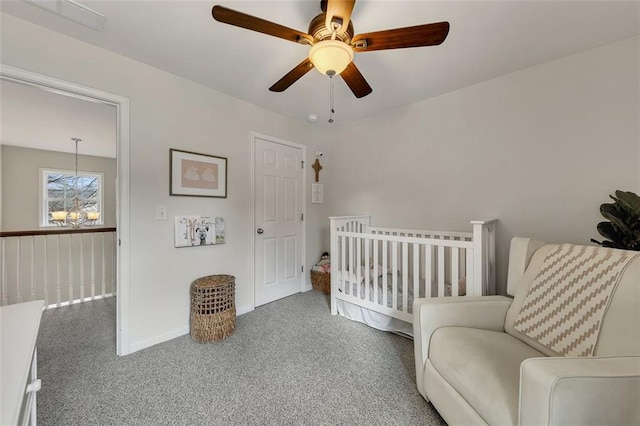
<point x="278" y="221"/>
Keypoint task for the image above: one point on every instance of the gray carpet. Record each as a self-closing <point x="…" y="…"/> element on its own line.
<point x="288" y="362"/>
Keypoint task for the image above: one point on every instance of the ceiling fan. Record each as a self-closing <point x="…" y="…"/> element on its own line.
<point x="332" y="41"/>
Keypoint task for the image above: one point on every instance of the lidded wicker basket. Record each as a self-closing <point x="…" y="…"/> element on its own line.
<point x="213" y="308"/>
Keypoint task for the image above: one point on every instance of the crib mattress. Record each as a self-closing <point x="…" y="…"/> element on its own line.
<point x="378" y="320"/>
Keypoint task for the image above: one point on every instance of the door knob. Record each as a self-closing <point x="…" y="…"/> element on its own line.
<point x="260" y="231"/>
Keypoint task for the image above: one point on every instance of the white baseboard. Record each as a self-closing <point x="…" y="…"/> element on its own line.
<point x="307" y="288"/>
<point x="244" y="310"/>
<point x="134" y="347"/>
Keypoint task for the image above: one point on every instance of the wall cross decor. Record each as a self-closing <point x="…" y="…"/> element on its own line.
<point x="317" y="167"/>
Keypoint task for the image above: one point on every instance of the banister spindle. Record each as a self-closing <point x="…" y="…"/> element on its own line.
<point x="3" y="273"/>
<point x="33" y="266"/>
<point x="18" y="277"/>
<point x="45" y="267"/>
<point x="93" y="269"/>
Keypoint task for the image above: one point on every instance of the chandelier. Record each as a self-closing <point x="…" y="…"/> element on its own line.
<point x="77" y="216"/>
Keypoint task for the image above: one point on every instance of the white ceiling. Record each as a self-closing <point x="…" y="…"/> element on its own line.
<point x="487" y="39"/>
<point x="34" y="118"/>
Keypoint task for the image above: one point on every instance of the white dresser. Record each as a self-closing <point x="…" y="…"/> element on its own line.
<point x="19" y="325"/>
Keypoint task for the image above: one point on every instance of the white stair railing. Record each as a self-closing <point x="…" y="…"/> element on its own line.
<point x="61" y="267"/>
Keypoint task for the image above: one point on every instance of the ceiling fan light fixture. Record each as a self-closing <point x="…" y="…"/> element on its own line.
<point x="330" y="55"/>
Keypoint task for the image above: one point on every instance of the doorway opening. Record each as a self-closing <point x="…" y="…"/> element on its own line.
<point x="71" y="92"/>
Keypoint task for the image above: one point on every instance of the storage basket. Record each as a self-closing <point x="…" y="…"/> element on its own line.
<point x="321" y="281"/>
<point x="213" y="308"/>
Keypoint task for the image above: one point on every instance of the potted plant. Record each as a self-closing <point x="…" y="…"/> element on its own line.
<point x="622" y="230"/>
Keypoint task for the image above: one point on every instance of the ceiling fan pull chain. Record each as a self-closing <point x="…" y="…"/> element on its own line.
<point x="331" y="110"/>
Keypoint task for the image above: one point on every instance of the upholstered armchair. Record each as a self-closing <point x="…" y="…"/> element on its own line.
<point x="564" y="350"/>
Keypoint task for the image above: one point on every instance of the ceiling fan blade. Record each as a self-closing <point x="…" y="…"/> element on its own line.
<point x="399" y="38"/>
<point x="356" y="82"/>
<point x="292" y="76"/>
<point x="340" y="9"/>
<point x="242" y="20"/>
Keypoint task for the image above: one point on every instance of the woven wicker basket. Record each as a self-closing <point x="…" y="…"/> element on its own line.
<point x="213" y="308"/>
<point x="321" y="281"/>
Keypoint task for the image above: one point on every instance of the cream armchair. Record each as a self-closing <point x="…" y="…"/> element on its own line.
<point x="477" y="362"/>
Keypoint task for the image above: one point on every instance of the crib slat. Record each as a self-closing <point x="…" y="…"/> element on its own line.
<point x="463" y="263"/>
<point x="376" y="271"/>
<point x="455" y="272"/>
<point x="428" y="273"/>
<point x="358" y="271"/>
<point x="405" y="277"/>
<point x="441" y="271"/>
<point x="351" y="261"/>
<point x="367" y="268"/>
<point x="416" y="271"/>
<point x="385" y="268"/>
<point x="469" y="255"/>
<point x="394" y="280"/>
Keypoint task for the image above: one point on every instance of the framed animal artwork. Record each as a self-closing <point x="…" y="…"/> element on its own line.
<point x="195" y="231"/>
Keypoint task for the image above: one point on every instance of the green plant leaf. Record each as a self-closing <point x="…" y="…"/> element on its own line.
<point x="629" y="201"/>
<point x="609" y="209"/>
<point x="609" y="232"/>
<point x="623" y="227"/>
<point x="616" y="216"/>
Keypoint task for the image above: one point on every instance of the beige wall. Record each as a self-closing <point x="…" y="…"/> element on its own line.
<point x="20" y="170"/>
<point x="539" y="149"/>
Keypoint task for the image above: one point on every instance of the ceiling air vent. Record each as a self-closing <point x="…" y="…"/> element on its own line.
<point x="73" y="11"/>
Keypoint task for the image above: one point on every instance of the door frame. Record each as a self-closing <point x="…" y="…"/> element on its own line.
<point x="121" y="104"/>
<point x="252" y="229"/>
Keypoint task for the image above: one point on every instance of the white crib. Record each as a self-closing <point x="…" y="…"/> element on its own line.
<point x="377" y="272"/>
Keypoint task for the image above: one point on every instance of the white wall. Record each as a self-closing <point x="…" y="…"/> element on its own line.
<point x="539" y="149"/>
<point x="170" y="112"/>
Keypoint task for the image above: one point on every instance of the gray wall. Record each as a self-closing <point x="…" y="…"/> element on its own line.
<point x="20" y="170"/>
<point x="539" y="149"/>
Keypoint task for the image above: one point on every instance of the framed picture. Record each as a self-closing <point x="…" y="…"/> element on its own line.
<point x="193" y="231"/>
<point x="197" y="175"/>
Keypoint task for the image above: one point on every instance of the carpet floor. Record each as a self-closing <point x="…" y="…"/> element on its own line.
<point x="288" y="362"/>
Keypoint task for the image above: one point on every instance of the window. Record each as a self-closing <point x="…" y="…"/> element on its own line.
<point x="61" y="187"/>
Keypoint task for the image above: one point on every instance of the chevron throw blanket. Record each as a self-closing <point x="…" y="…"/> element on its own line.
<point x="568" y="299"/>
